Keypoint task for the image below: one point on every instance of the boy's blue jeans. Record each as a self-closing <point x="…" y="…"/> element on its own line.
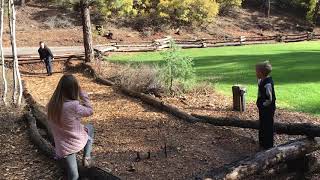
<point x="71" y="160"/>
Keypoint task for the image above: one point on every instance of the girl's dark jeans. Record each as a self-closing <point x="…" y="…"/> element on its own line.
<point x="71" y="160"/>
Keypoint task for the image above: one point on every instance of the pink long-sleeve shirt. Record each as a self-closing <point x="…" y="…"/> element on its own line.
<point x="71" y="136"/>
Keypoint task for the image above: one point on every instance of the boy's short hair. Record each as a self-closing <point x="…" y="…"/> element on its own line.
<point x="265" y="67"/>
<point x="41" y="42"/>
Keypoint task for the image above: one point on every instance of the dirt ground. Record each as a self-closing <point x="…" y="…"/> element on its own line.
<point x="205" y="101"/>
<point x="125" y="126"/>
<point x="19" y="158"/>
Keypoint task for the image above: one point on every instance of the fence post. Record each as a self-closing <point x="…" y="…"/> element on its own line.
<point x="239" y="102"/>
<point x="242" y="40"/>
<point x="310" y="36"/>
<point x="203" y="44"/>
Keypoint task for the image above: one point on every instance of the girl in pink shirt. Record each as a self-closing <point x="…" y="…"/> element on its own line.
<point x="66" y="107"/>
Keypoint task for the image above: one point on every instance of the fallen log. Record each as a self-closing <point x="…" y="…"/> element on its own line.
<point x="36" y="58"/>
<point x="93" y="74"/>
<point x="280" y="128"/>
<point x="159" y="105"/>
<point x="307" y="129"/>
<point x="38" y="111"/>
<point x="133" y="45"/>
<point x="36" y="138"/>
<point x="150" y="100"/>
<point x="147" y="49"/>
<point x="264" y="160"/>
<point x="44" y="146"/>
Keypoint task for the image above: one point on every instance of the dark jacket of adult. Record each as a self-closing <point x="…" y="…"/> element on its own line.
<point x="45" y="53"/>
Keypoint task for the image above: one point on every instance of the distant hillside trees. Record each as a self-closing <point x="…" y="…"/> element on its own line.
<point x="313" y="11"/>
<point x="178" y="11"/>
<point x="307" y="8"/>
<point x="187" y="12"/>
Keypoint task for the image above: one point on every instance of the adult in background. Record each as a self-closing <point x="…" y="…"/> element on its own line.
<point x="46" y="56"/>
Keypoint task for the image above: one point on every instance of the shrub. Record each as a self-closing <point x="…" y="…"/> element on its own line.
<point x="174" y="75"/>
<point x="226" y="5"/>
<point x="177" y="69"/>
<point x="111" y="8"/>
<point x="298" y="6"/>
<point x="304" y="8"/>
<point x="311" y="10"/>
<point x="231" y="3"/>
<point x="172" y="11"/>
<point x="68" y="4"/>
<point x="141" y="78"/>
<point x="58" y="22"/>
<point x="188" y="11"/>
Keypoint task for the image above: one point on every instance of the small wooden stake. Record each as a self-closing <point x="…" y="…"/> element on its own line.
<point x="138" y="158"/>
<point x="165" y="150"/>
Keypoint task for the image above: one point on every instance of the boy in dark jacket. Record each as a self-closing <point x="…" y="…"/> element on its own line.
<point x="266" y="103"/>
<point x="46" y="56"/>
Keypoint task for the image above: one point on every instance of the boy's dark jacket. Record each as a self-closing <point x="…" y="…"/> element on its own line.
<point x="45" y="53"/>
<point x="263" y="95"/>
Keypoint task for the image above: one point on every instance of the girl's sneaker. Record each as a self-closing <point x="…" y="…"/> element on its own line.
<point x="86" y="162"/>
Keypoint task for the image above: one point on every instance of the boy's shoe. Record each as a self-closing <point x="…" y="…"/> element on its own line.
<point x="86" y="162"/>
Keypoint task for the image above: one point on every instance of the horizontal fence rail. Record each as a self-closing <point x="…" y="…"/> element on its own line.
<point x="159" y="44"/>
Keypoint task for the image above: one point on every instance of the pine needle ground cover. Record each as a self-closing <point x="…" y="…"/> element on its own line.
<point x="296" y="70"/>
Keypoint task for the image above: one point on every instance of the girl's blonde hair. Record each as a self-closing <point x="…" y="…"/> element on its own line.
<point x="68" y="89"/>
<point x="264" y="67"/>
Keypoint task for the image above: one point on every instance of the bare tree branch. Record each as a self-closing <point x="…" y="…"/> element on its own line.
<point x="5" y="84"/>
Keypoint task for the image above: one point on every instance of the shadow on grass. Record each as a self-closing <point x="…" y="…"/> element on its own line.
<point x="299" y="67"/>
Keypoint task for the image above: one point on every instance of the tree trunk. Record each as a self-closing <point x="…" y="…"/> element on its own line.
<point x="14" y="75"/>
<point x="4" y="79"/>
<point x="267" y="7"/>
<point x="16" y="72"/>
<point x="22" y="2"/>
<point x="264" y="160"/>
<point x="87" y="34"/>
<point x="309" y="130"/>
<point x="152" y="101"/>
<point x="316" y="12"/>
<point x="39" y="112"/>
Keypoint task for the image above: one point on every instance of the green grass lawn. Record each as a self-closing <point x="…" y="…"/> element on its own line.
<point x="296" y="70"/>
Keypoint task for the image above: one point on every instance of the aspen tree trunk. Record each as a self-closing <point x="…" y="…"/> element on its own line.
<point x="22" y="2"/>
<point x="17" y="76"/>
<point x="4" y="79"/>
<point x="14" y="75"/>
<point x="87" y="32"/>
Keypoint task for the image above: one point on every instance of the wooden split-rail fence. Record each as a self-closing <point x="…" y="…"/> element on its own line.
<point x="159" y="44"/>
<point x="34" y="59"/>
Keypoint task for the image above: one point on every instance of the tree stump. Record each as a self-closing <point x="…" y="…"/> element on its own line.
<point x="239" y="93"/>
